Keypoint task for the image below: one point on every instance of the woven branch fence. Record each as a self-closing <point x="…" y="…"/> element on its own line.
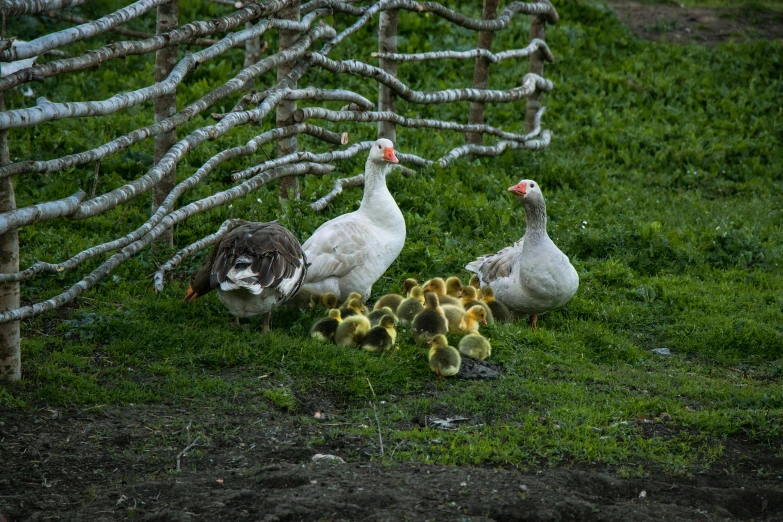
<point x="305" y="42"/>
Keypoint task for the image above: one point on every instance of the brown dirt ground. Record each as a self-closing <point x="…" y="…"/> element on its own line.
<point x="106" y="464"/>
<point x="671" y="23"/>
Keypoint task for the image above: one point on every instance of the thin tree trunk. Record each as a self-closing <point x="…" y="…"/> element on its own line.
<point x="165" y="107"/>
<point x="481" y="73"/>
<point x="287" y="187"/>
<point x="537" y="30"/>
<point x="387" y="98"/>
<point x="10" y="353"/>
<point x="252" y="53"/>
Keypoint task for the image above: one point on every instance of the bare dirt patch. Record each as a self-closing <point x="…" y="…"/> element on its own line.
<point x="675" y="24"/>
<point x="105" y="464"/>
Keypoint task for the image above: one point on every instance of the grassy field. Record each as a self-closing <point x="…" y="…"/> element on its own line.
<point x="663" y="184"/>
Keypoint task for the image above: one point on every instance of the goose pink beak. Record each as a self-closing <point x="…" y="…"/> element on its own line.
<point x="389" y="155"/>
<point x="520" y="189"/>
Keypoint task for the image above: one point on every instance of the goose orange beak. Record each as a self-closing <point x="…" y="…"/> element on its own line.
<point x="483" y="321"/>
<point x="191" y="296"/>
<point x="389" y="155"/>
<point x="520" y="189"/>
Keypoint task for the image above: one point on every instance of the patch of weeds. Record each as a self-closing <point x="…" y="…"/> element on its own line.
<point x="663" y="25"/>
<point x="280" y="397"/>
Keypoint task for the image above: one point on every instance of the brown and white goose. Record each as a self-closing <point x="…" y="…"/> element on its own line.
<point x="254" y="268"/>
<point x="533" y="276"/>
<point x="350" y="252"/>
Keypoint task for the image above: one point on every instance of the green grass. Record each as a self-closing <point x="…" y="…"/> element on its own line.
<point x="663" y="184"/>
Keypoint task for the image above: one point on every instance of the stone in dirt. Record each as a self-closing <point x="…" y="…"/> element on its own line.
<point x="475" y="369"/>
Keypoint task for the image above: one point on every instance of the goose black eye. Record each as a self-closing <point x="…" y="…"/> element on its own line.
<point x="532" y="184"/>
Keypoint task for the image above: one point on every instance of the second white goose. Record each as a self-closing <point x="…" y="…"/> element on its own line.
<point x="350" y="252"/>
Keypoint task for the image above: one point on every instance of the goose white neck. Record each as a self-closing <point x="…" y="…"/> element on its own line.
<point x="535" y="212"/>
<point x="375" y="190"/>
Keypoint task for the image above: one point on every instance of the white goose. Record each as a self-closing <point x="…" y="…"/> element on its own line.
<point x="350" y="252"/>
<point x="533" y="276"/>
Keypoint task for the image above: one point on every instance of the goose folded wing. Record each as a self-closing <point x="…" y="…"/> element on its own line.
<point x="259" y="259"/>
<point x="336" y="248"/>
<point x="496" y="266"/>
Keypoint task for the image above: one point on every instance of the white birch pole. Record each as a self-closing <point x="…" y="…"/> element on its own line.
<point x="170" y="220"/>
<point x="287" y="187"/>
<point x="534" y="46"/>
<point x="54" y="40"/>
<point x="387" y="99"/>
<point x="530" y="83"/>
<point x="481" y="73"/>
<point x="308" y="113"/>
<point x="251" y="147"/>
<point x="10" y="353"/>
<point x="309" y="93"/>
<point x="123" y="31"/>
<point x="122" y="49"/>
<point x="165" y="107"/>
<point x="183" y="116"/>
<point x="21" y="7"/>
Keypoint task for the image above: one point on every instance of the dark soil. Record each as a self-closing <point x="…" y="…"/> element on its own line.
<point x="671" y="23"/>
<point x="103" y="464"/>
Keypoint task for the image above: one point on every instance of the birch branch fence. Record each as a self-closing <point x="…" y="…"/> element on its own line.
<point x="301" y="26"/>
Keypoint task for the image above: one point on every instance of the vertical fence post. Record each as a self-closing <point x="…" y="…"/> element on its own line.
<point x="481" y="72"/>
<point x="165" y="106"/>
<point x="252" y="53"/>
<point x="537" y="30"/>
<point x="10" y="353"/>
<point x="387" y="99"/>
<point x="288" y="187"/>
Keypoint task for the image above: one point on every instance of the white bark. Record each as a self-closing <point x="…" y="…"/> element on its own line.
<point x="501" y="22"/>
<point x="494" y="150"/>
<point x="116" y="30"/>
<point x="158" y="280"/>
<point x="363" y="19"/>
<point x="75" y="34"/>
<point x="181" y="117"/>
<point x="170" y="220"/>
<point x="536" y="45"/>
<point x="121" y="49"/>
<point x="251" y="147"/>
<point x="530" y="84"/>
<point x="310" y="93"/>
<point x="338" y="116"/>
<point x="55" y="111"/>
<point x="297" y="157"/>
<point x="337" y="6"/>
<point x="21" y="7"/>
<point x="339" y="185"/>
<point x="14" y="219"/>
